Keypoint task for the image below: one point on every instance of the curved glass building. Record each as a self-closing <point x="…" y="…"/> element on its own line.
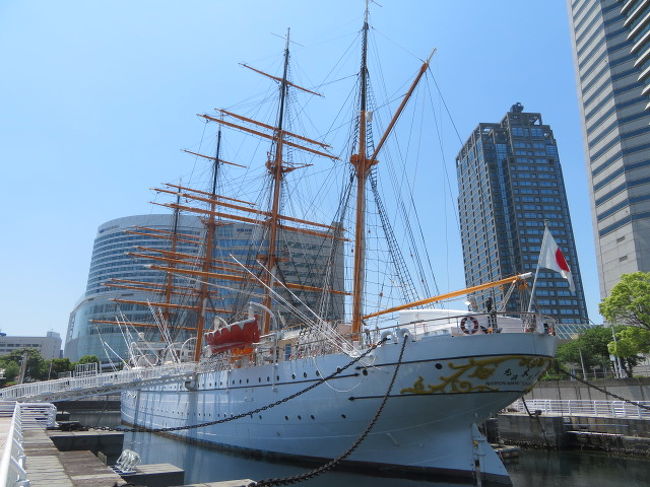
<point x="91" y="327"/>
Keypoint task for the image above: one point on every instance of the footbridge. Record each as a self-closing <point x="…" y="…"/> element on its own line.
<point x="71" y="388"/>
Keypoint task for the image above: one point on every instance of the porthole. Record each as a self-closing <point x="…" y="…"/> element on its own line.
<point x="438" y="366"/>
<point x="312" y="416"/>
<point x="293" y="376"/>
<point x="299" y="417"/>
<point x="317" y="373"/>
<point x="268" y="379"/>
<point x="259" y="379"/>
<point x="304" y="374"/>
<point x="286" y="418"/>
<point x="343" y="416"/>
<point x="364" y="371"/>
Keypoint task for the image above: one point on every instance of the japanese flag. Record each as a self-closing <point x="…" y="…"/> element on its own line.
<point x="551" y="257"/>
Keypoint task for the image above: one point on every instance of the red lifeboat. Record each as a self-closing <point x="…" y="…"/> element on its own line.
<point x="235" y="336"/>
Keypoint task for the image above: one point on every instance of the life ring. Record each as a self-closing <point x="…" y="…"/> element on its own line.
<point x="474" y="325"/>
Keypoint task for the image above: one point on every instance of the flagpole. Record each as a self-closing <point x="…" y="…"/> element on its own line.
<point x="532" y="291"/>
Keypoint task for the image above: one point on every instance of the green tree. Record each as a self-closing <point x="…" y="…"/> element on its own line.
<point x="57" y="366"/>
<point x="592" y="344"/>
<point x="629" y="301"/>
<point x="11" y="370"/>
<point x="631" y="342"/>
<point x="37" y="368"/>
<point x="88" y="359"/>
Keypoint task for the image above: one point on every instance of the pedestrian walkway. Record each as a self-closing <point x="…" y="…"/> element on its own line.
<point x="99" y="384"/>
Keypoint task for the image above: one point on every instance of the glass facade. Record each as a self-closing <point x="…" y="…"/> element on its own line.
<point x="611" y="42"/>
<point x="303" y="259"/>
<point x="510" y="183"/>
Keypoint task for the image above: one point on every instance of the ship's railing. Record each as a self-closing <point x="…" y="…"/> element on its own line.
<point x="101" y="383"/>
<point x="610" y="409"/>
<point x="24" y="416"/>
<point x="470" y="323"/>
<point x="455" y="323"/>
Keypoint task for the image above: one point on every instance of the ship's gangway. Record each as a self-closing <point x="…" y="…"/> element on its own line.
<point x="70" y="388"/>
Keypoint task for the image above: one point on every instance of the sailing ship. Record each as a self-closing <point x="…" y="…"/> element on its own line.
<point x="440" y="372"/>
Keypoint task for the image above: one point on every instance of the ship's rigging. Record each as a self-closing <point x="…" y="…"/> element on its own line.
<point x="272" y="253"/>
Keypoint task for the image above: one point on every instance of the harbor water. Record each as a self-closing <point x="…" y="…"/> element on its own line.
<point x="533" y="468"/>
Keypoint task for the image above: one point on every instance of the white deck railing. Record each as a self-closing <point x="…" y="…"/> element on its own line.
<point x="78" y="387"/>
<point x="609" y="409"/>
<point x="25" y="416"/>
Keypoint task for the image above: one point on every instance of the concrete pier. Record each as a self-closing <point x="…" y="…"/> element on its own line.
<point x="109" y="443"/>
<point x="537" y="431"/>
<point x="622" y="435"/>
<point x="156" y="475"/>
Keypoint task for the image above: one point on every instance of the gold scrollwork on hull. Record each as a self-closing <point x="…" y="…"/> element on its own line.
<point x="481" y="370"/>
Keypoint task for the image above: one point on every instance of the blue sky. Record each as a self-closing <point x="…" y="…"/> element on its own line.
<point x="98" y="97"/>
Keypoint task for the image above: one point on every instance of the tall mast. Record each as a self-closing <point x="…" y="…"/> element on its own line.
<point x="276" y="170"/>
<point x="169" y="281"/>
<point x="362" y="165"/>
<point x="208" y="255"/>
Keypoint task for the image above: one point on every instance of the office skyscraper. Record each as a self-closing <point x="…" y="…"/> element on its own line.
<point x="611" y="42"/>
<point x="510" y="183"/>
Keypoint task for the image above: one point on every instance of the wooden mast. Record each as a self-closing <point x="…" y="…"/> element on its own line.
<point x="169" y="280"/>
<point x="361" y="164"/>
<point x="276" y="170"/>
<point x="209" y="256"/>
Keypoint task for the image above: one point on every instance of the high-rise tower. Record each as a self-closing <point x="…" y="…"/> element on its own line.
<point x="611" y="45"/>
<point x="510" y="184"/>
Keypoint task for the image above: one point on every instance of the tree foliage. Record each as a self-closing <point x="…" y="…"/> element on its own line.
<point x="58" y="366"/>
<point x="36" y="366"/>
<point x="88" y="359"/>
<point x="592" y="344"/>
<point x="631" y="342"/>
<point x="629" y="301"/>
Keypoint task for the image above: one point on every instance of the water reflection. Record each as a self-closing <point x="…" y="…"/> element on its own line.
<point x="208" y="465"/>
<point x="578" y="469"/>
<point x="532" y="469"/>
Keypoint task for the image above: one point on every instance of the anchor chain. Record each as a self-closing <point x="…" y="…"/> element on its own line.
<point x="335" y="461"/>
<point x="144" y="429"/>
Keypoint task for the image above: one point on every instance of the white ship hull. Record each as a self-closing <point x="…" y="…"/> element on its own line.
<point x="444" y="387"/>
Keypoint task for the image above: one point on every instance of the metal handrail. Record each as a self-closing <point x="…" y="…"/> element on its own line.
<point x="575" y="407"/>
<point x="101" y="383"/>
<point x="25" y="416"/>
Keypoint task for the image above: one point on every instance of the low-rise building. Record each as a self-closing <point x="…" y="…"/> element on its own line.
<point x="48" y="346"/>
